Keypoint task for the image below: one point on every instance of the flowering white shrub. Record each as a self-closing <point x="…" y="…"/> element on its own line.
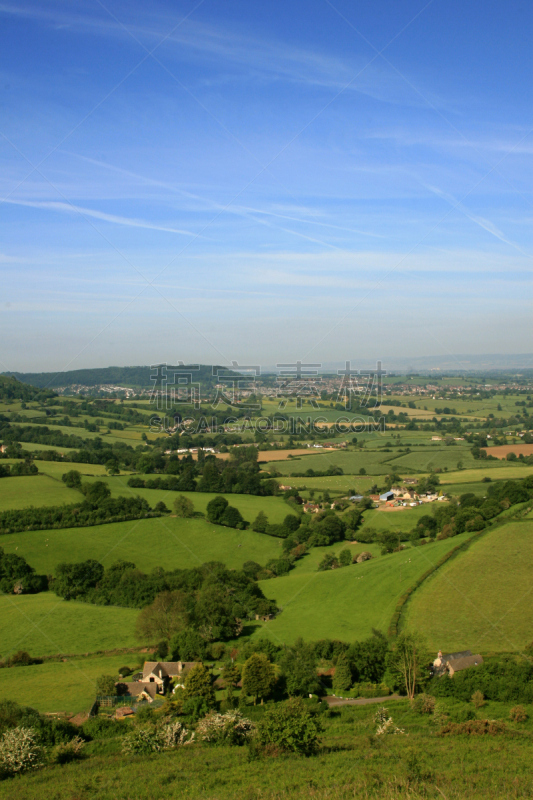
<point x="174" y="734"/>
<point x="144" y="741"/>
<point x="19" y="750"/>
<point x="231" y="727"/>
<point x="385" y="723"/>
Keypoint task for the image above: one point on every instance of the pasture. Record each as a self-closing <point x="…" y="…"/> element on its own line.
<point x="496" y="472"/>
<point x="61" y="685"/>
<point x="35" y="490"/>
<point x="400" y="519"/>
<point x="480" y="600"/>
<point x="249" y="505"/>
<point x="375" y="462"/>
<point x="166" y="542"/>
<point x="346" y="603"/>
<point x="44" y="624"/>
<point x="55" y="469"/>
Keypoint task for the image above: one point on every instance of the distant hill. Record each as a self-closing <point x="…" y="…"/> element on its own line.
<point x="13" y="389"/>
<point x="129" y="377"/>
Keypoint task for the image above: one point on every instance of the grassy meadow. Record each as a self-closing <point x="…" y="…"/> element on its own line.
<point x="482" y="599"/>
<point x="350" y="764"/>
<point x="44" y="624"/>
<point x="35" y="490"/>
<point x="166" y="542"/>
<point x="249" y="505"/>
<point x="346" y="603"/>
<point x="61" y="685"/>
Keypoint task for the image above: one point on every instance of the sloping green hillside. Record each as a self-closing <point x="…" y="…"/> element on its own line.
<point x="482" y="599"/>
<point x="346" y="603"/>
<point x="44" y="624"/>
<point x="158" y="542"/>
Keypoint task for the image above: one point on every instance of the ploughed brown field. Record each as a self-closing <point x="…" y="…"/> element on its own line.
<point x="280" y="455"/>
<point x="502" y="449"/>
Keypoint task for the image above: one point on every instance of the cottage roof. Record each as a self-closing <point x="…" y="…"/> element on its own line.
<point x="163" y="669"/>
<point x="460" y="654"/>
<point x="138" y="687"/>
<point x="458" y="664"/>
<point x="166" y="669"/>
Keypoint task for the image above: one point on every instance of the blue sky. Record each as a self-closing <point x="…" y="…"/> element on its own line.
<point x="263" y="182"/>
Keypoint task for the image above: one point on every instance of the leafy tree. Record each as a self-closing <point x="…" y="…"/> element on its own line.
<point x="95" y="493"/>
<point x="345" y="558"/>
<point x="232" y="518"/>
<point x="216" y="508"/>
<point x="72" y="479"/>
<point x="291" y="523"/>
<point x="183" y="506"/>
<point x="251" y="568"/>
<point x="342" y="680"/>
<point x="231" y="674"/>
<point x="299" y="668"/>
<point x="198" y="684"/>
<point x="187" y="645"/>
<point x="389" y="541"/>
<point x="408" y="661"/>
<point x="258" y="677"/>
<point x="213" y="615"/>
<point x="290" y="727"/>
<point x="166" y="616"/>
<point x="329" y="561"/>
<point x="260" y="523"/>
<point x="73" y="580"/>
<point x="105" y="686"/>
<point x="368" y="658"/>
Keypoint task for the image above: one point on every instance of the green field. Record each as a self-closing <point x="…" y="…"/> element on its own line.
<point x="249" y="505"/>
<point x="35" y="490"/>
<point x="374" y="461"/>
<point x="61" y="686"/>
<point x="158" y="542"/>
<point x="482" y="599"/>
<point x="58" y="468"/>
<point x="127" y="436"/>
<point x="44" y="624"/>
<point x="340" y="484"/>
<point x="404" y="519"/>
<point x="346" y="603"/>
<point x="492" y="469"/>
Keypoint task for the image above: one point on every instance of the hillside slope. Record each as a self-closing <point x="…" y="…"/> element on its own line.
<point x="482" y="599"/>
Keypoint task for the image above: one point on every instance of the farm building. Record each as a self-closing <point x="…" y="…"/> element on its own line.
<point x="387" y="496"/>
<point x="450" y="663"/>
<point x="311" y="508"/>
<point x="355" y="498"/>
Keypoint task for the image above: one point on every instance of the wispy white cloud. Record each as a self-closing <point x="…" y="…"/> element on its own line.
<point x="256" y="58"/>
<point x="69" y="208"/>
<point x="486" y="224"/>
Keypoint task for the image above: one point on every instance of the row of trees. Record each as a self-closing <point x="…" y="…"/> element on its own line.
<point x="22" y="468"/>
